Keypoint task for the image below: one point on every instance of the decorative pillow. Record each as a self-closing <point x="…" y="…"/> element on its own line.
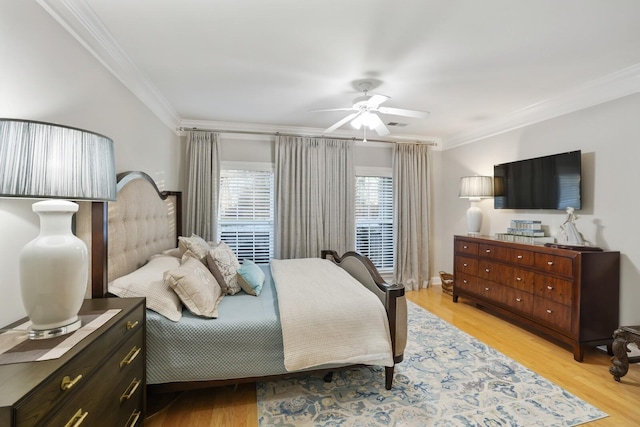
<point x="196" y="287"/>
<point x="225" y="260"/>
<point x="147" y="281"/>
<point x="251" y="277"/>
<point x="195" y="244"/>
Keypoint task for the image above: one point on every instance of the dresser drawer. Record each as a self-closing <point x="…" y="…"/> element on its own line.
<point x="464" y="247"/>
<point x="465" y="282"/>
<point x="556" y="314"/>
<point x="466" y="265"/>
<point x="494" y="271"/>
<point x="65" y="382"/>
<point x="98" y="401"/>
<point x="522" y="279"/>
<point x="519" y="300"/>
<point x="554" y="264"/>
<point x="491" y="251"/>
<point x="554" y="289"/>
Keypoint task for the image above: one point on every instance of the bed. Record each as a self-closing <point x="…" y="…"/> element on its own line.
<point x="247" y="337"/>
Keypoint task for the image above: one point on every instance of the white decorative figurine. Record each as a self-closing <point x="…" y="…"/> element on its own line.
<point x="569" y="231"/>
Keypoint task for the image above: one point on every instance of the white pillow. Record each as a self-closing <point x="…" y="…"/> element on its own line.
<point x="227" y="263"/>
<point x="148" y="281"/>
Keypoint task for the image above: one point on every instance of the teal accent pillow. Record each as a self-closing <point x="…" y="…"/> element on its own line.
<point x="251" y="277"/>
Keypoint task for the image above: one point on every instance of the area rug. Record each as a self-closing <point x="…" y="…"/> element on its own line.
<point x="448" y="378"/>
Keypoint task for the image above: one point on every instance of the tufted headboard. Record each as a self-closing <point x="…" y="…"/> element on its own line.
<point x="142" y="222"/>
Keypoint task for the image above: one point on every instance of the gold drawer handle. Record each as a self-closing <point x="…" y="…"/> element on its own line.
<point x="130" y="357"/>
<point x="519" y="257"/>
<point x="550" y="262"/>
<point x="130" y="391"/>
<point x="133" y="418"/>
<point x="131" y="325"/>
<point x="67" y="382"/>
<point x="77" y="419"/>
<point x="548" y="311"/>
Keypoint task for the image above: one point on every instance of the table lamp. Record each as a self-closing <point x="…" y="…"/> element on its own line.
<point x="49" y="161"/>
<point x="475" y="188"/>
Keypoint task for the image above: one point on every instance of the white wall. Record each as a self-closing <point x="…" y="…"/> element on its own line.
<point x="47" y="75"/>
<point x="609" y="137"/>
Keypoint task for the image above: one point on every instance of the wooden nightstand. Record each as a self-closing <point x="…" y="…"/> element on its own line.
<point x="101" y="380"/>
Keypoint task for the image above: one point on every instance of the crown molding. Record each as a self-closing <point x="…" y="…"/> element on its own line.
<point x="612" y="86"/>
<point x="77" y="17"/>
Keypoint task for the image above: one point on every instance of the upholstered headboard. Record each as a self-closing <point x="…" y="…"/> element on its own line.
<point x="142" y="222"/>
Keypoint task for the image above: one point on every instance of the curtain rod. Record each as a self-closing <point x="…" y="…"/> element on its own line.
<point x="249" y="132"/>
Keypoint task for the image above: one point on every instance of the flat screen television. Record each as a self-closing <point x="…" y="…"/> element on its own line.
<point x="549" y="182"/>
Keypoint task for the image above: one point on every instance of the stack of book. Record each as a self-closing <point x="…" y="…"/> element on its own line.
<point x="525" y="231"/>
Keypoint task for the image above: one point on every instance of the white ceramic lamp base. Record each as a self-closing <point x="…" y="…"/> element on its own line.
<point x="54" y="269"/>
<point x="474" y="219"/>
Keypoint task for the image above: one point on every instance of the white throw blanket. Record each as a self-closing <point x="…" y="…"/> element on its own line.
<point x="328" y="317"/>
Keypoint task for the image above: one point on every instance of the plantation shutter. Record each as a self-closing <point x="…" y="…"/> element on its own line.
<point x="374" y="220"/>
<point x="245" y="214"/>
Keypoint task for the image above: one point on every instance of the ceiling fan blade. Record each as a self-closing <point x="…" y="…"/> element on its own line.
<point x="403" y="112"/>
<point x="378" y="125"/>
<point x="341" y="122"/>
<point x="376" y="100"/>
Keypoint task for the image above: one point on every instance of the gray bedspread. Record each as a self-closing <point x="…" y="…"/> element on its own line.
<point x="244" y="341"/>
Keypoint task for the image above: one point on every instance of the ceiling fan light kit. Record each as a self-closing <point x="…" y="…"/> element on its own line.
<point x="365" y="112"/>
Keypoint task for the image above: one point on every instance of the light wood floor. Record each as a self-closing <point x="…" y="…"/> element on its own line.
<point x="590" y="380"/>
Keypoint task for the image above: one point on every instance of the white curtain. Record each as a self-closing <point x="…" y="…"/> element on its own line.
<point x="203" y="183"/>
<point x="314" y="196"/>
<point x="411" y="189"/>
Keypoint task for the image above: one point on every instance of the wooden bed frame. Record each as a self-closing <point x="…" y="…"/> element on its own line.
<point x="360" y="267"/>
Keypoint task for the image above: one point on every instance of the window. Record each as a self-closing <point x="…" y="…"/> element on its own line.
<point x="374" y="220"/>
<point x="245" y="214"/>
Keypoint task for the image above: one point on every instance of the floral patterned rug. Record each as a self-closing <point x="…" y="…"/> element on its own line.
<point x="447" y="378"/>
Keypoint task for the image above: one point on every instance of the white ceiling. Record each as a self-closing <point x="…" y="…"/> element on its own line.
<point x="478" y="67"/>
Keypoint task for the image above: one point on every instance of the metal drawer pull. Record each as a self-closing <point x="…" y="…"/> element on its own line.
<point x="133" y="418"/>
<point x="550" y="262"/>
<point x="548" y="311"/>
<point x="465" y="265"/>
<point x="131" y="356"/>
<point x="77" y="419"/>
<point x="486" y="289"/>
<point x="488" y="251"/>
<point x="487" y="270"/>
<point x="464" y="281"/>
<point x="131" y="325"/>
<point x="550" y="287"/>
<point x="519" y="299"/>
<point x="519" y="257"/>
<point x="67" y="382"/>
<point x="130" y="391"/>
<point x="465" y="247"/>
<point x="519" y="279"/>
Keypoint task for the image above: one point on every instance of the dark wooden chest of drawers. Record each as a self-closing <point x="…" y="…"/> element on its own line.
<point x="569" y="295"/>
<point x="99" y="382"/>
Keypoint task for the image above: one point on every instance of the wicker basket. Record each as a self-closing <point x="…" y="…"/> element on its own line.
<point x="447" y="282"/>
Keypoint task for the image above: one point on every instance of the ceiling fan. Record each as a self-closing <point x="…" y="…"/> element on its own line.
<point x="365" y="112"/>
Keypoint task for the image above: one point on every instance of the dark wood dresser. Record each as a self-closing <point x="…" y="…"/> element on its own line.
<point x="99" y="382"/>
<point x="569" y="295"/>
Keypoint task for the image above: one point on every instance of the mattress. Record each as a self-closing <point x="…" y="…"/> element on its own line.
<point x="244" y="341"/>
